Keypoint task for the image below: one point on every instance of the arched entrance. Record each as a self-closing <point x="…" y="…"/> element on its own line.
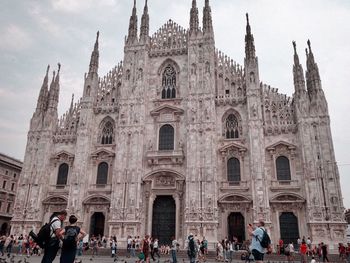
<point x="97" y="224"/>
<point x="3" y="230"/>
<point x="289" y="227"/>
<point x="236" y="226"/>
<point x="164" y="219"/>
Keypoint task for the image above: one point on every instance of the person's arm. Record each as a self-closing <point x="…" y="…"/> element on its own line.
<point x="82" y="234"/>
<point x="250" y="230"/>
<point x="61" y="232"/>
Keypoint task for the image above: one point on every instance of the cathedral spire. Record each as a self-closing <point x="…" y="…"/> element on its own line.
<point x="54" y="91"/>
<point x="132" y="36"/>
<point x="93" y="68"/>
<point x="249" y="42"/>
<point x="207" y="19"/>
<point x="313" y="80"/>
<point x="144" y="23"/>
<point x="44" y="92"/>
<point x="194" y="21"/>
<point x="298" y="73"/>
<point x="71" y="104"/>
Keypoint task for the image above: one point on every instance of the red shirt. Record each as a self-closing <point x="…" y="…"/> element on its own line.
<point x="303" y="249"/>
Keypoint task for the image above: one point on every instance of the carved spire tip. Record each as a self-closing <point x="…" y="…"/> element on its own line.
<point x="47" y="69"/>
<point x="247" y="16"/>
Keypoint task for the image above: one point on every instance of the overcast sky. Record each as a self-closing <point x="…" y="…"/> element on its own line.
<point x="35" y="33"/>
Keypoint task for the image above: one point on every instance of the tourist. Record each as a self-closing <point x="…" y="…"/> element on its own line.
<point x="156" y="248"/>
<point x="174" y="245"/>
<point x="205" y="244"/>
<point x="113" y="245"/>
<point x="2" y="244"/>
<point x="291" y="251"/>
<point x="324" y="252"/>
<point x="309" y="245"/>
<point x="303" y="252"/>
<point x="348" y="252"/>
<point x="298" y="243"/>
<point x="145" y="248"/>
<point x="80" y="248"/>
<point x="71" y="234"/>
<point x="133" y="247"/>
<point x="8" y="244"/>
<point x="19" y="245"/>
<point x="219" y="252"/>
<point x="51" y="248"/>
<point x="257" y="234"/>
<point x="281" y="247"/>
<point x="191" y="249"/>
<point x="128" y="246"/>
<point x="342" y="252"/>
<point x="151" y="246"/>
<point x="313" y="260"/>
<point x="231" y="245"/>
<point x="94" y="246"/>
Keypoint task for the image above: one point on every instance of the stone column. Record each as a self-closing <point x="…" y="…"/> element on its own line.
<point x="177" y="225"/>
<point x="150" y="213"/>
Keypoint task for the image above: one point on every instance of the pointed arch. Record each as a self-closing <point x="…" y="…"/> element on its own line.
<point x="169" y="73"/>
<point x="107" y="130"/>
<point x="232" y="124"/>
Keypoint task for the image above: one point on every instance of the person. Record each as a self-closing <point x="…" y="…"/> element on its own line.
<point x="156" y="248"/>
<point x="94" y="245"/>
<point x="2" y="244"/>
<point x="257" y="234"/>
<point x="51" y="248"/>
<point x="303" y="252"/>
<point x="191" y="250"/>
<point x="72" y="234"/>
<point x="342" y="252"/>
<point x="348" y="252"/>
<point x="114" y="247"/>
<point x="173" y="249"/>
<point x="324" y="252"/>
<point x="80" y="248"/>
<point x="8" y="244"/>
<point x="291" y="251"/>
<point x="313" y="260"/>
<point x="145" y="248"/>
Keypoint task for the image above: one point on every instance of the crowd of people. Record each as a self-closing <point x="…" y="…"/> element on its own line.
<point x="71" y="241"/>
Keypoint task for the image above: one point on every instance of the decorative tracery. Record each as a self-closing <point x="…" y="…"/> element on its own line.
<point x="107" y="133"/>
<point x="169" y="83"/>
<point x="232" y="127"/>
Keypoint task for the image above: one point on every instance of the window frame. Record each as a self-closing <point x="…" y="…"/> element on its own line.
<point x="161" y="143"/>
<point x="286" y="174"/>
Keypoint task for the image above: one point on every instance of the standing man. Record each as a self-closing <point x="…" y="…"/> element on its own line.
<point x="173" y="249"/>
<point x="257" y="234"/>
<point x="191" y="250"/>
<point x="51" y="248"/>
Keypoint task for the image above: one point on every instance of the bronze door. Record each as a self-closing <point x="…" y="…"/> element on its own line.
<point x="164" y="219"/>
<point x="289" y="227"/>
<point x="236" y="227"/>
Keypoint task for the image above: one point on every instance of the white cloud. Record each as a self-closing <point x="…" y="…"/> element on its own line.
<point x="14" y="38"/>
<point x="76" y="6"/>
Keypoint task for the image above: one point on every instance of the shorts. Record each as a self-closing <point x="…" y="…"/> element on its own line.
<point x="258" y="256"/>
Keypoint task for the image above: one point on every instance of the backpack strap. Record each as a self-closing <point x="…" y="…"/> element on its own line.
<point x="51" y="228"/>
<point x="262" y="229"/>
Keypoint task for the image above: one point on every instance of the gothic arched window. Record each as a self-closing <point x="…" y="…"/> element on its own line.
<point x="233" y="170"/>
<point x="166" y="138"/>
<point x="169" y="83"/>
<point x="232" y="127"/>
<point x="102" y="173"/>
<point x="62" y="175"/>
<point x="107" y="133"/>
<point x="283" y="169"/>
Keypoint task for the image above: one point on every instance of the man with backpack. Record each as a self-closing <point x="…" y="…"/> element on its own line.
<point x="52" y="245"/>
<point x="260" y="240"/>
<point x="191" y="250"/>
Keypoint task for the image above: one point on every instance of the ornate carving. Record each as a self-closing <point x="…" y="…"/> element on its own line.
<point x="165" y="181"/>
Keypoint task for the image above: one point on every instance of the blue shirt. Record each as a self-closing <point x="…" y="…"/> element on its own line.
<point x="258" y="234"/>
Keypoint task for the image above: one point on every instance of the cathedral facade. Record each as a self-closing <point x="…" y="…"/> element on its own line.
<point x="179" y="138"/>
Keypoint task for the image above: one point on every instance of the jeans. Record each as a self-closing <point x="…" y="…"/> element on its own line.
<point x="50" y="251"/>
<point x="173" y="255"/>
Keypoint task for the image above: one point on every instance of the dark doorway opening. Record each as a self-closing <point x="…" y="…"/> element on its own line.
<point x="4" y="230"/>
<point x="289" y="227"/>
<point x="164" y="219"/>
<point x="236" y="227"/>
<point x="97" y="224"/>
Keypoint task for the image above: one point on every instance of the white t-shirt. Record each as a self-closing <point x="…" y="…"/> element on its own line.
<point x="55" y="225"/>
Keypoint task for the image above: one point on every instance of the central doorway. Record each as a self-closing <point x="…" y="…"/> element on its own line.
<point x="97" y="225"/>
<point x="164" y="219"/>
<point x="289" y="227"/>
<point x="236" y="227"/>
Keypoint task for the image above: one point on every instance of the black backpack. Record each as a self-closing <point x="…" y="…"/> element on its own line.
<point x="265" y="242"/>
<point x="70" y="237"/>
<point x="44" y="235"/>
<point x="191" y="248"/>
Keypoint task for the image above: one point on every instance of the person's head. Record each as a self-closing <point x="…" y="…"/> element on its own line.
<point x="313" y="257"/>
<point x="73" y="219"/>
<point x="62" y="215"/>
<point x="261" y="223"/>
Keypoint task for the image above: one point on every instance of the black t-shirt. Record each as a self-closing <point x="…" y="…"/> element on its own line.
<point x="68" y="243"/>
